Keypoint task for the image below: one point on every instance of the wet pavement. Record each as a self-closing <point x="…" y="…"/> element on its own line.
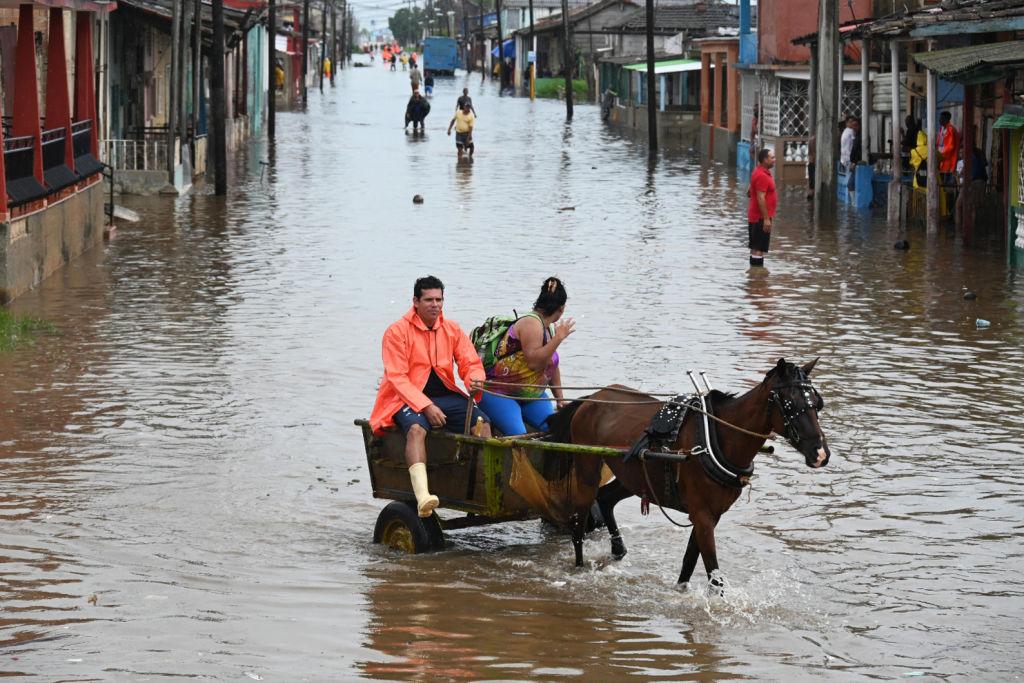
<point x="184" y="493"/>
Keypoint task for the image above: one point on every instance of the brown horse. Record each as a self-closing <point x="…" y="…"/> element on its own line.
<point x="785" y="402"/>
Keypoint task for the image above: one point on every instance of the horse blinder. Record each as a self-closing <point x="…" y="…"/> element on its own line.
<point x="789" y="410"/>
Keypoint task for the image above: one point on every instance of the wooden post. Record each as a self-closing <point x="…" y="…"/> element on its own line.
<point x="895" y="204"/>
<point x="933" y="158"/>
<point x="566" y="57"/>
<point x="271" y="69"/>
<point x="305" y="50"/>
<point x="652" y="112"/>
<point x="218" y="117"/>
<point x="825" y="126"/>
<point x="865" y="102"/>
<point x="533" y="64"/>
<point x="965" y="199"/>
<point x="172" y="90"/>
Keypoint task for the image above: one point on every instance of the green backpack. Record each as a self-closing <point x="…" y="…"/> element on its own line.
<point x="489" y="334"/>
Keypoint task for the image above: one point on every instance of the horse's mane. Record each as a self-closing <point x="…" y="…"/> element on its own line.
<point x="560" y="421"/>
<point x="716" y="397"/>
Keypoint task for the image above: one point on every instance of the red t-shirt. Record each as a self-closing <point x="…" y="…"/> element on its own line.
<point x="761" y="181"/>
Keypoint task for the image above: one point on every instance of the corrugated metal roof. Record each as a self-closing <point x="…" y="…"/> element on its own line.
<point x="1009" y="121"/>
<point x="668" y="66"/>
<point x="696" y="20"/>
<point x="959" y="61"/>
<point x="930" y="18"/>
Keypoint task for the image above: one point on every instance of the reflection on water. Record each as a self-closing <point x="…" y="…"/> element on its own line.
<point x="185" y="494"/>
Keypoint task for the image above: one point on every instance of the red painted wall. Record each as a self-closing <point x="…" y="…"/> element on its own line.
<point x="780" y="21"/>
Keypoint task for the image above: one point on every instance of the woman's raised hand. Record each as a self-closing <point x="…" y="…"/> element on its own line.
<point x="563" y="328"/>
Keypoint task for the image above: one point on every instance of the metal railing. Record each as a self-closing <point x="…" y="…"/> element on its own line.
<point x="135" y="155"/>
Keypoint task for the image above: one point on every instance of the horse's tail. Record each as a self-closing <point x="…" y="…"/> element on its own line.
<point x="560" y="423"/>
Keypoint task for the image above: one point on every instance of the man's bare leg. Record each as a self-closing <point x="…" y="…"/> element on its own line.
<point x="416" y="458"/>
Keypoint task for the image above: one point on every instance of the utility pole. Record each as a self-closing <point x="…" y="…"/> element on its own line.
<point x="197" y="63"/>
<point x="334" y="39"/>
<point x="220" y="151"/>
<point x="271" y="67"/>
<point x="483" y="55"/>
<point x="305" y="50"/>
<point x="345" y="40"/>
<point x="825" y="126"/>
<point x="652" y="111"/>
<point x="183" y="60"/>
<point x="566" y="56"/>
<point x="501" y="50"/>
<point x="172" y="99"/>
<point x="533" y="48"/>
<point x="323" y="41"/>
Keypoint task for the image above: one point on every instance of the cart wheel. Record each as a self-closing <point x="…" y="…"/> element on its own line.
<point x="398" y="526"/>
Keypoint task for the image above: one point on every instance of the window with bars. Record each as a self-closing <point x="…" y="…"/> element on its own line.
<point x="793" y="105"/>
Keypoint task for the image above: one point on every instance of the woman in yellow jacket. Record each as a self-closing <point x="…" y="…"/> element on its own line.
<point x="919" y="160"/>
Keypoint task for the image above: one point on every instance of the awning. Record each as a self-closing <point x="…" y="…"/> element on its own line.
<point x="509" y="49"/>
<point x="975" y="63"/>
<point x="1010" y="121"/>
<point x="669" y="66"/>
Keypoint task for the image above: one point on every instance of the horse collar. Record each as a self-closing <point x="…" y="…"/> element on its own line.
<point x="709" y="454"/>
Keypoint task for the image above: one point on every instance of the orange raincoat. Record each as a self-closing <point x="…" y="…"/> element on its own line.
<point x="948" y="143"/>
<point x="410" y="351"/>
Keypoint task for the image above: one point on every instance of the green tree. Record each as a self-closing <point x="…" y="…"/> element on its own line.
<point x="407" y="25"/>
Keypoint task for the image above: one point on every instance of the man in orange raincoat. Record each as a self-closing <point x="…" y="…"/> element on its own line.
<point x="947" y="144"/>
<point x="418" y="390"/>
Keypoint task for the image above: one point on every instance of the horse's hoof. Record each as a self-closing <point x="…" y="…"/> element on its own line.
<point x="618" y="549"/>
<point x="716" y="584"/>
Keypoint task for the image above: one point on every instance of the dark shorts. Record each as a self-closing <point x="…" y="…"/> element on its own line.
<point x="757" y="238"/>
<point x="463" y="140"/>
<point x="452" y="405"/>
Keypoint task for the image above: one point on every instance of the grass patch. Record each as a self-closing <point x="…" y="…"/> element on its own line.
<point x="555" y="87"/>
<point x="20" y="329"/>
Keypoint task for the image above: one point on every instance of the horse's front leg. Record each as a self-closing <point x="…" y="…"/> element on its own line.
<point x="578" y="525"/>
<point x="704" y="536"/>
<point x="704" y="531"/>
<point x="608" y="496"/>
<point x="689" y="559"/>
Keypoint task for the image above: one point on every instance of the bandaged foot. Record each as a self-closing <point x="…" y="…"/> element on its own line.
<point x="425" y="503"/>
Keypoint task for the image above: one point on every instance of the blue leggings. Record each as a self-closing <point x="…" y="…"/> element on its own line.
<point x="510" y="416"/>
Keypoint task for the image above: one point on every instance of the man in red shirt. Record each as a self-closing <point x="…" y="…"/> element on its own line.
<point x="761" y="210"/>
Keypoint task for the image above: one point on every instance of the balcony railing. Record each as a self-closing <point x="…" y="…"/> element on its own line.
<point x="135" y="155"/>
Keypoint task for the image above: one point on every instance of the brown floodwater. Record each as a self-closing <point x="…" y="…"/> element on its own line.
<point x="184" y="492"/>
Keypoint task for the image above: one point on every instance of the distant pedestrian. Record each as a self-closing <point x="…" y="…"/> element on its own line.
<point x="463" y="122"/>
<point x="761" y="208"/>
<point x="947" y="143"/>
<point x="428" y="83"/>
<point x="849" y="150"/>
<point x="465" y="99"/>
<point x="394" y="61"/>
<point x="415" y="77"/>
<point x="416" y="111"/>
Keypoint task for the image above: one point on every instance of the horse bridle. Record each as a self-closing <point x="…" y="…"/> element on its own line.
<point x="790" y="411"/>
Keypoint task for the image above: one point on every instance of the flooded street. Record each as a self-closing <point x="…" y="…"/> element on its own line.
<point x="184" y="492"/>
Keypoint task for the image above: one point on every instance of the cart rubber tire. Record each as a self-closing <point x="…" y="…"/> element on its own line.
<point x="400" y="527"/>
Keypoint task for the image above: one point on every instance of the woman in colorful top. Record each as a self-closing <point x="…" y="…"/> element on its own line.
<point x="526" y="356"/>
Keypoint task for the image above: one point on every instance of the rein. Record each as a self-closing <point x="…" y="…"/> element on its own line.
<point x="725" y="423"/>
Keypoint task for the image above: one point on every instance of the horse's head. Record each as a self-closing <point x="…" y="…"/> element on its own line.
<point x="793" y="405"/>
